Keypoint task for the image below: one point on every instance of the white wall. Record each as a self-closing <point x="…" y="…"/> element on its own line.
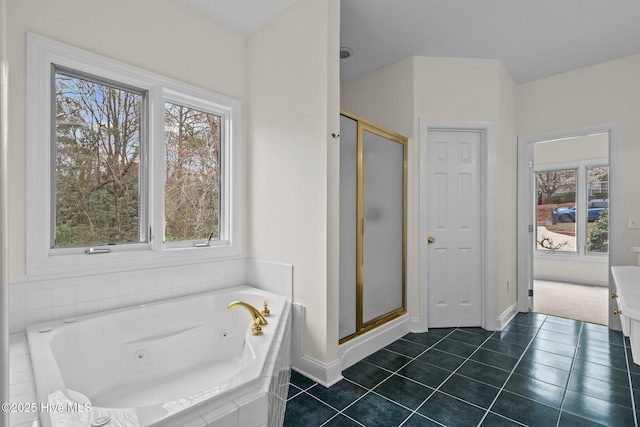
<point x="399" y="95"/>
<point x="506" y="209"/>
<point x="162" y="36"/>
<point x="459" y="88"/>
<point x="4" y="243"/>
<point x="601" y="93"/>
<point x="586" y="147"/>
<point x="292" y="199"/>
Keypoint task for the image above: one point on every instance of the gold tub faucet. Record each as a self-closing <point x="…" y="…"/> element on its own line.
<point x="255" y="313"/>
<point x="258" y="318"/>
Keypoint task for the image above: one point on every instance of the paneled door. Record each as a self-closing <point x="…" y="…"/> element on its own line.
<point x="454" y="218"/>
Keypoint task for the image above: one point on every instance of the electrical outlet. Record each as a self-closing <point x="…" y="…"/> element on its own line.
<point x="634" y="223"/>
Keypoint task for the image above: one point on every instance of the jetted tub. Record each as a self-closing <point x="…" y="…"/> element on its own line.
<point x="186" y="360"/>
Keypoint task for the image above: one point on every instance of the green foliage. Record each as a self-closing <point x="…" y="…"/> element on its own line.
<point x="99" y="199"/>
<point x="97" y="162"/>
<point x="566" y="197"/>
<point x="598" y="240"/>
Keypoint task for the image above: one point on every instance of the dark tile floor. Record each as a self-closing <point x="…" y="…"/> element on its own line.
<point x="540" y="371"/>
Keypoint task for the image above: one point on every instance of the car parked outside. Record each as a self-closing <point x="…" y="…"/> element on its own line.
<point x="594" y="206"/>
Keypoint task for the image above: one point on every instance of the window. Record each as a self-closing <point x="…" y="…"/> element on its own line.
<point x="192" y="174"/>
<point x="572" y="208"/>
<point x="127" y="163"/>
<point x="556" y="210"/>
<point x="97" y="152"/>
<point x="598" y="210"/>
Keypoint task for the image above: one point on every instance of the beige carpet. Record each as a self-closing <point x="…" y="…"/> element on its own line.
<point x="580" y="302"/>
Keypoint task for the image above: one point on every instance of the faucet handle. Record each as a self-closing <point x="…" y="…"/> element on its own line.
<point x="266" y="312"/>
<point x="256" y="329"/>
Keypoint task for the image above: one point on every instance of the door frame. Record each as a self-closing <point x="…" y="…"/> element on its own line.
<point x="526" y="206"/>
<point x="488" y="164"/>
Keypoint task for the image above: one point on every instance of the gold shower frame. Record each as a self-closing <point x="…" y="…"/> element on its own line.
<point x="361" y="326"/>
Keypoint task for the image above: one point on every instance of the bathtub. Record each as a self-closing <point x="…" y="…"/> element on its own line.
<point x="188" y="360"/>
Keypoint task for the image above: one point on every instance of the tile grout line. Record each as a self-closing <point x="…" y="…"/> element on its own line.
<point x="512" y="372"/>
<point x="573" y="360"/>
<point x="412" y="359"/>
<point x="633" y="401"/>
<point x="436" y="389"/>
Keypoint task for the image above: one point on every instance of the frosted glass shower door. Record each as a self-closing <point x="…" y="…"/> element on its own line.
<point x="383" y="212"/>
<point x="373" y="212"/>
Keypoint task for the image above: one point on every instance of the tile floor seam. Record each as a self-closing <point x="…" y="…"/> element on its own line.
<point x="423" y="352"/>
<point x="566" y="389"/>
<point x="344" y="415"/>
<point x="436" y="389"/>
<point x="456" y="370"/>
<point x="368" y="391"/>
<point x="511" y="374"/>
<point x="443" y="358"/>
<point x="416" y="413"/>
<point x="633" y="403"/>
<point x="409" y="362"/>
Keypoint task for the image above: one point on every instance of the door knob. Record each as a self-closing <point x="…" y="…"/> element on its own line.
<point x="431" y="239"/>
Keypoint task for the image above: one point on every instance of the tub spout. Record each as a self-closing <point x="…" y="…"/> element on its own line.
<point x="255" y="313"/>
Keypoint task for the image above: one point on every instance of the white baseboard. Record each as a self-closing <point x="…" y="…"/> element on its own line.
<point x="360" y="347"/>
<point x="349" y="353"/>
<point x="506" y="316"/>
<point x="417" y="325"/>
<point x="323" y="373"/>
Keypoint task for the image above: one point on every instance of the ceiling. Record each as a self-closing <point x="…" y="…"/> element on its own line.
<point x="533" y="39"/>
<point x="245" y="16"/>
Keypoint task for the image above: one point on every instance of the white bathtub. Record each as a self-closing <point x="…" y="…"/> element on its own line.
<point x="187" y="360"/>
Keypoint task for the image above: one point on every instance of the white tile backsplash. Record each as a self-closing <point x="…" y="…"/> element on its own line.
<point x="84" y="293"/>
<point x="44" y="300"/>
<point x="39" y="299"/>
<point x="64" y="296"/>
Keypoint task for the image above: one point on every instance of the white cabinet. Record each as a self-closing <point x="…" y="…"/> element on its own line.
<point x="627" y="295"/>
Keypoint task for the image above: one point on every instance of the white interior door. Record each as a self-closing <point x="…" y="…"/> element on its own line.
<point x="454" y="218"/>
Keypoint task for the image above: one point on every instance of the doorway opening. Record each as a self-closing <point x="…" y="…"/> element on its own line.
<point x="570" y="259"/>
<point x="565" y="207"/>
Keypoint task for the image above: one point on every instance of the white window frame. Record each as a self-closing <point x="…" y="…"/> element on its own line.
<point x="581" y="167"/>
<point x="41" y="259"/>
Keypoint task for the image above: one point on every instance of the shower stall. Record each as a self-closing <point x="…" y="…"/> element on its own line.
<point x="373" y="226"/>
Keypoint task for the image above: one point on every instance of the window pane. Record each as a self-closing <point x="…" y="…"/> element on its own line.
<point x="556" y="210"/>
<point x="192" y="186"/>
<point x="597" y="208"/>
<point x="97" y="155"/>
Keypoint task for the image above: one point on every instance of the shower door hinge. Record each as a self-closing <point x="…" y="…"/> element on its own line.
<point x="530" y="292"/>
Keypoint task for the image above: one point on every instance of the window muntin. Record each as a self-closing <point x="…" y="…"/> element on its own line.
<point x="192" y="188"/>
<point x="99" y="180"/>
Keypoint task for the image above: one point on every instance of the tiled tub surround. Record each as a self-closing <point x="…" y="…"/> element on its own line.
<point x="540" y="371"/>
<point x="227" y="404"/>
<point x="44" y="300"/>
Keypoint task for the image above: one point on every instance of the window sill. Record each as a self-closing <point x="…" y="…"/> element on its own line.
<point x="64" y="266"/>
<point x="563" y="256"/>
